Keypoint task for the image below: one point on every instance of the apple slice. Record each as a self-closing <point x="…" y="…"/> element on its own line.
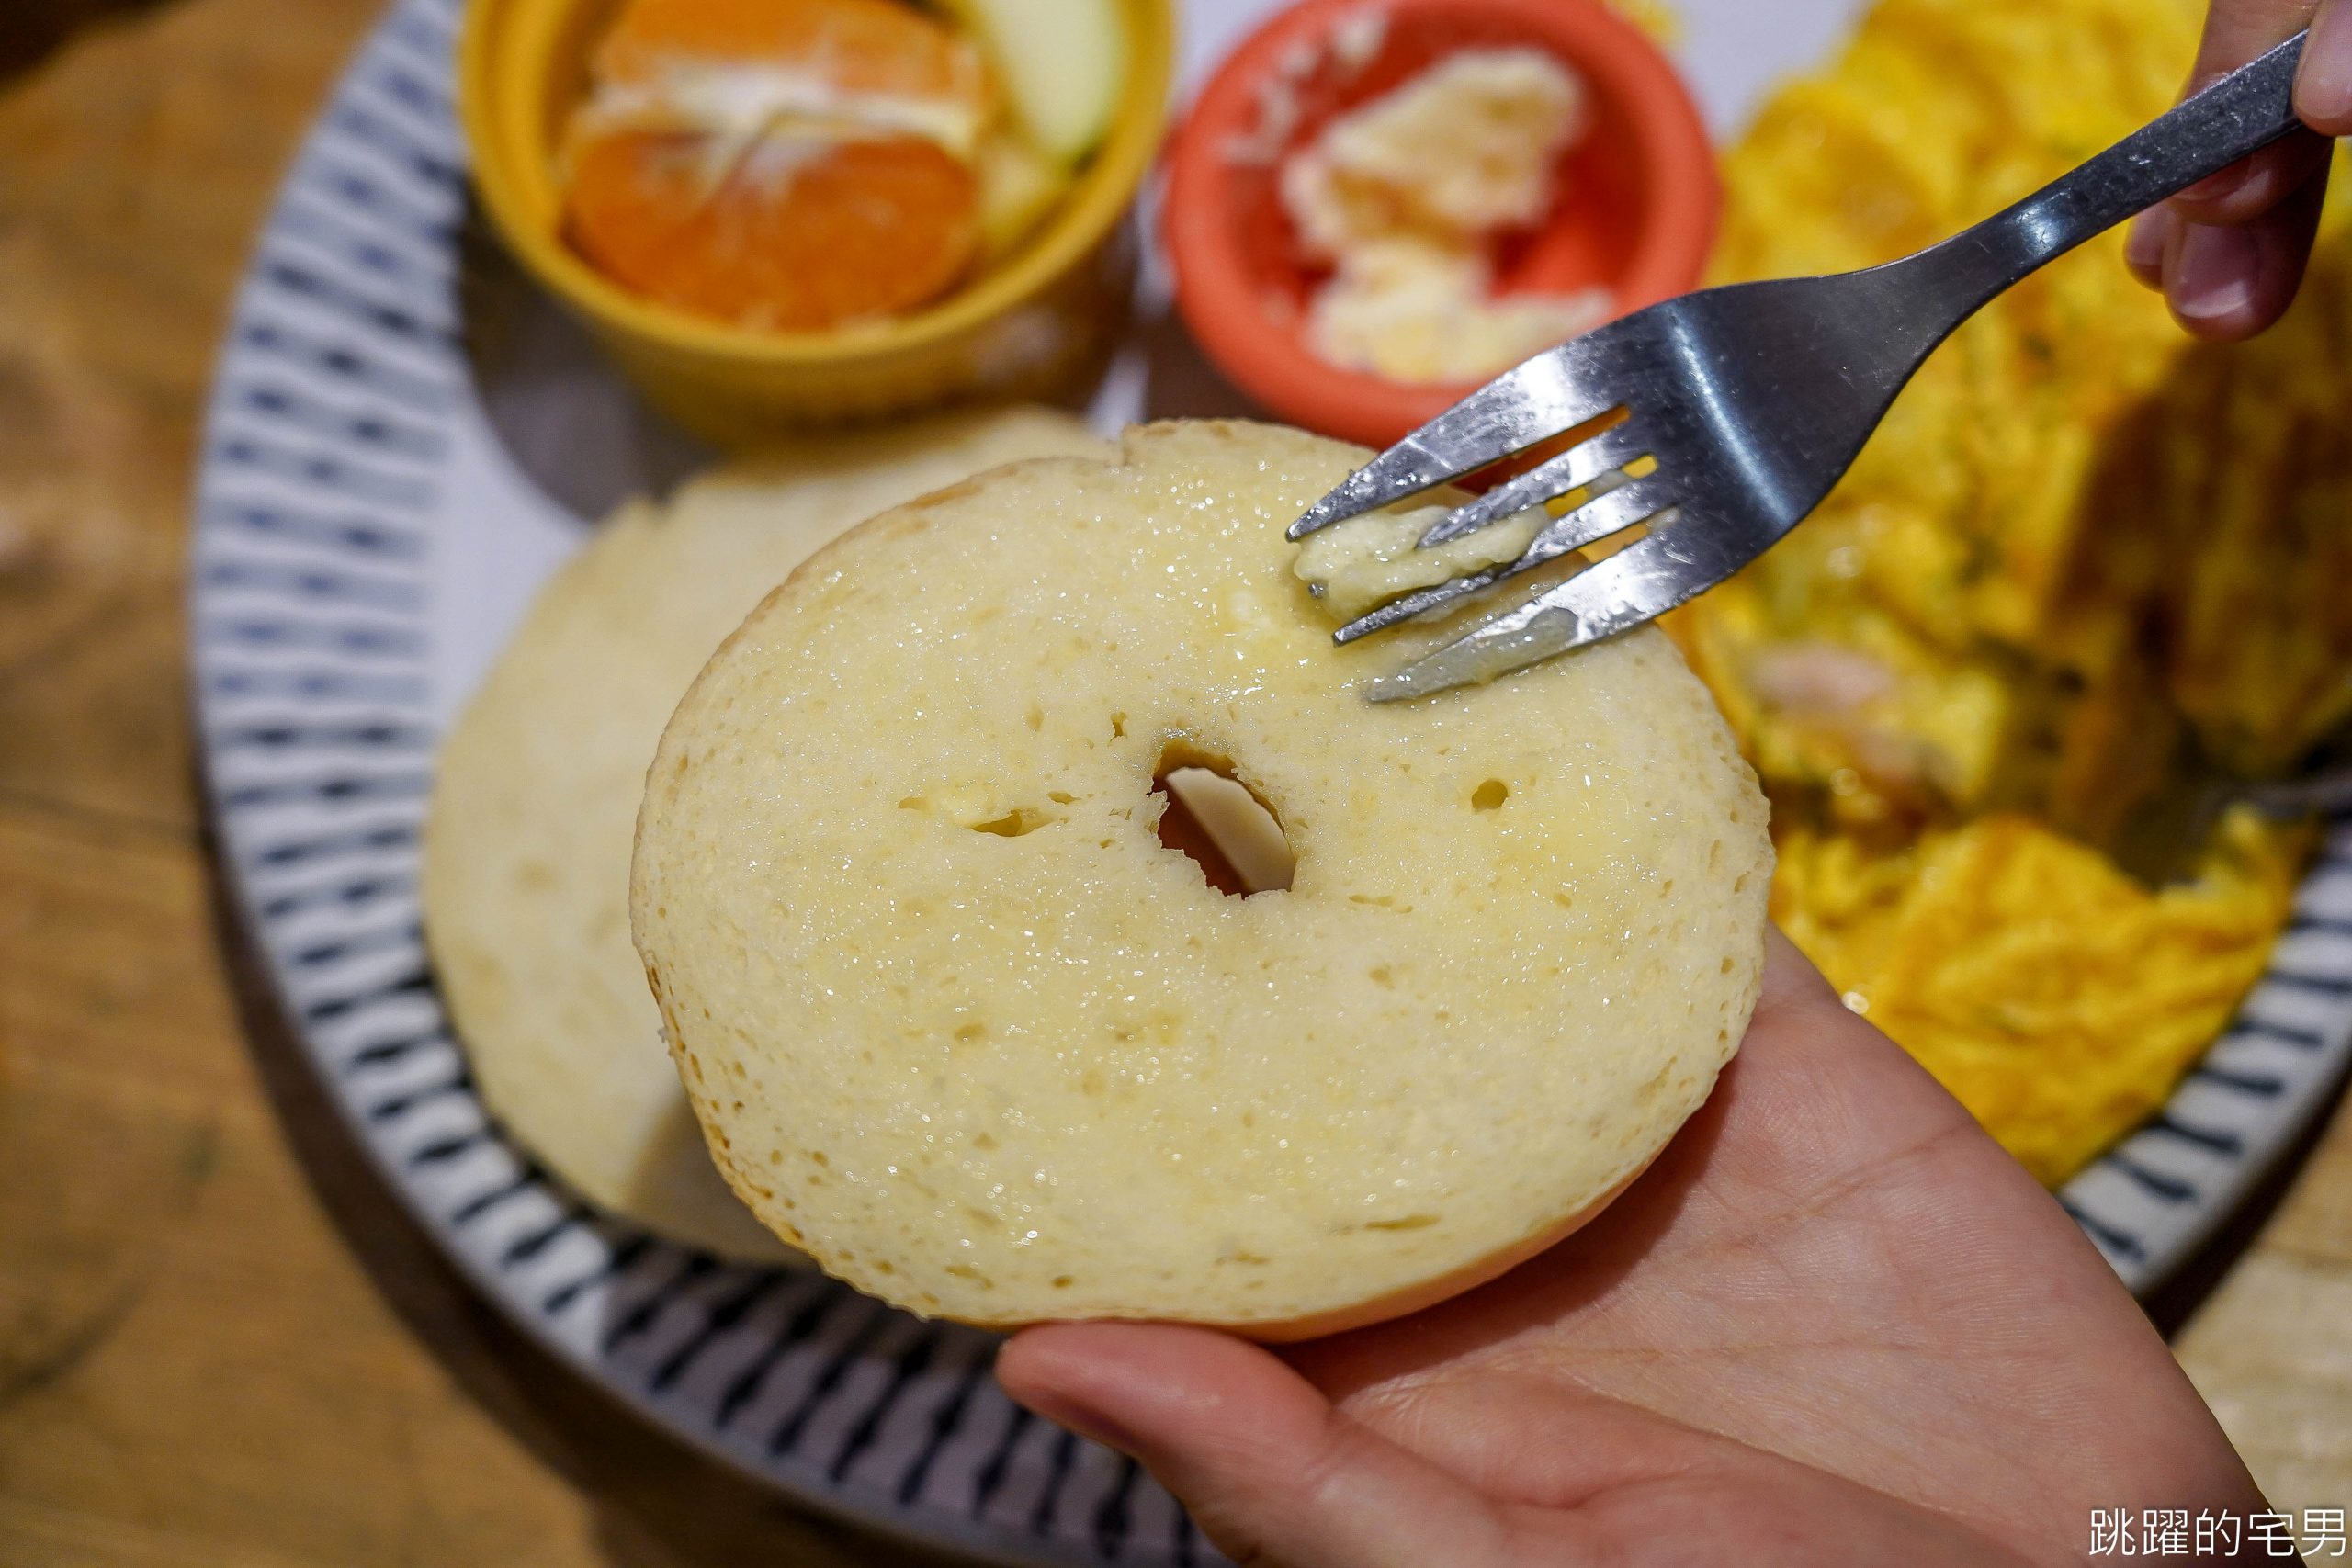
<point x="1063" y="64"/>
<point x="1019" y="186"/>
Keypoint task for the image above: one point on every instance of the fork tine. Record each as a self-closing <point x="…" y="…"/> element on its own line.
<point x="1639" y="583"/>
<point x="1421" y="601"/>
<point x="1553" y="478"/>
<point x="1540" y="398"/>
<point x="1612" y="511"/>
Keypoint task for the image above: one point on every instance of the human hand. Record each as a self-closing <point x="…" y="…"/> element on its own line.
<point x="2229" y="251"/>
<point x="1833" y="1323"/>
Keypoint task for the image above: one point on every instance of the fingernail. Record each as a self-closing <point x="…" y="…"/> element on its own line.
<point x="2143" y="246"/>
<point x="2323" y="81"/>
<point x="2212" y="270"/>
<point x="2213" y="187"/>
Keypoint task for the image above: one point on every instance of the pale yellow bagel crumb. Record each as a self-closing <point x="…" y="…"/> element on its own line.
<point x="526" y="845"/>
<point x="959" y="1025"/>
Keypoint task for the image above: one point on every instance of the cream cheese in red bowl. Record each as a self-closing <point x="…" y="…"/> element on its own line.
<point x="1377" y="204"/>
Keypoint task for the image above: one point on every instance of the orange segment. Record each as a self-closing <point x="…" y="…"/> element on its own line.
<point x="780" y="165"/>
<point x="864" y="46"/>
<point x="850" y="230"/>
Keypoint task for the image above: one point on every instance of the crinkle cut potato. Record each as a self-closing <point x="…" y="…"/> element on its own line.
<point x="959" y="1024"/>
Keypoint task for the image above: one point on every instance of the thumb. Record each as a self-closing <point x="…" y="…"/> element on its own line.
<point x="1269" y="1469"/>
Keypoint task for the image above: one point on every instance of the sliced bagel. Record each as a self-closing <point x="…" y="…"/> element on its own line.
<point x="534" y="801"/>
<point x="960" y="1024"/>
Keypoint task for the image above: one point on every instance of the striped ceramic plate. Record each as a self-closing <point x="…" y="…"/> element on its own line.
<point x="403" y="443"/>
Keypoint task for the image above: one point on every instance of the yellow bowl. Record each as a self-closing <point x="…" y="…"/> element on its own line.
<point x="1025" y="325"/>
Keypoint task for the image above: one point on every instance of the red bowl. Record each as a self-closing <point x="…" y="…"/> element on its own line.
<point x="1639" y="220"/>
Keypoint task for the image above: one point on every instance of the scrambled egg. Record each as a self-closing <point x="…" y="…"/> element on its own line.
<point x="2083" y="560"/>
<point x="2056" y="997"/>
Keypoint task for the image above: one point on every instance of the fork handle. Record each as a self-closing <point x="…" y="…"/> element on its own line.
<point x="2241" y="113"/>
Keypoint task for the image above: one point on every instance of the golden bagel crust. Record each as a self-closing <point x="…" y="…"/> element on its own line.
<point x="958" y="1025"/>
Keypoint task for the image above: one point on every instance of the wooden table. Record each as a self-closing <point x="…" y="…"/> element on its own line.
<point x="220" y="1342"/>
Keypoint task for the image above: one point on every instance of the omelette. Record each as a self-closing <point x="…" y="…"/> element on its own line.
<point x="2085" y="566"/>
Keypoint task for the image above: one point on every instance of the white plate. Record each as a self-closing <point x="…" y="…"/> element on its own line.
<point x="404" y="442"/>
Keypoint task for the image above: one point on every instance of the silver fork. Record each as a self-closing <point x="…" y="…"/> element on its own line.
<point x="1750" y="400"/>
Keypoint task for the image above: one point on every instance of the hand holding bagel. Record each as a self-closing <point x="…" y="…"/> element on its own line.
<point x="1834" y="1323"/>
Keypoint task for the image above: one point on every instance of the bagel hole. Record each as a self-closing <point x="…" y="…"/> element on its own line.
<point x="1220" y="823"/>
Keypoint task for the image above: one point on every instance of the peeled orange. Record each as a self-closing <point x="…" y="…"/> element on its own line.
<point x="784" y="165"/>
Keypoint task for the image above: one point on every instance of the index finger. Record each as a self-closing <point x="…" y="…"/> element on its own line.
<point x="2238" y="32"/>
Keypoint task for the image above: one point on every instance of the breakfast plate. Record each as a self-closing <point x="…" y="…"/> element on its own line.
<point x="403" y="441"/>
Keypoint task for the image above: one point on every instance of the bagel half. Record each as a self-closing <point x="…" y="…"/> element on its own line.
<point x="959" y="1024"/>
<point x="535" y="795"/>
